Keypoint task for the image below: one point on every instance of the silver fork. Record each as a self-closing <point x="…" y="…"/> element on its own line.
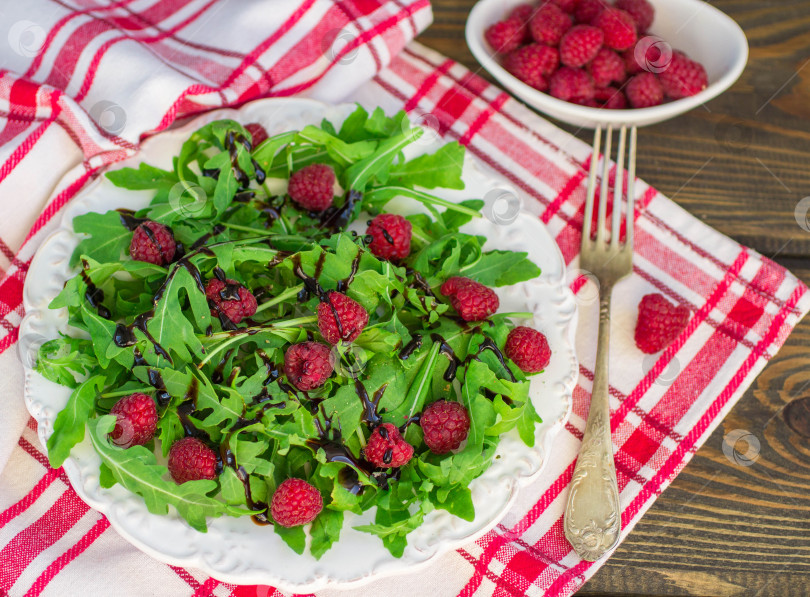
<point x="592" y="514"/>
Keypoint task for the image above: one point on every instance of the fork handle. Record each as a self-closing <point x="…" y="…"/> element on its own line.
<point x="592" y="515"/>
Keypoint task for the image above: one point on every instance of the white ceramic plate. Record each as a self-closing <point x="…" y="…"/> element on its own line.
<point x="236" y="550"/>
<point x="703" y="32"/>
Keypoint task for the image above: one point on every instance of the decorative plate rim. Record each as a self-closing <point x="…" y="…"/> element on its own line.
<point x="124" y="509"/>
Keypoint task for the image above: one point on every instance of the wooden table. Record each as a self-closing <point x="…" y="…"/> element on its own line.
<point x="741" y="164"/>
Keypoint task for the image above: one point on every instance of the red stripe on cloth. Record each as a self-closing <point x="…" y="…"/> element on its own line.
<point x="483" y="118"/>
<point x="563" y="196"/>
<point x="23" y="148"/>
<point x="36" y="538"/>
<point x="32" y="496"/>
<point x="491" y="576"/>
<point x="427" y="85"/>
<point x="207" y="588"/>
<point x="182" y="573"/>
<point x="54" y="31"/>
<point x="22" y="100"/>
<point x="55" y="567"/>
<point x="72" y="50"/>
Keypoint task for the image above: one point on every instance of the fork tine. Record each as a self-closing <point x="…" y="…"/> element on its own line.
<point x="618" y="189"/>
<point x="631" y="197"/>
<point x="590" y="191"/>
<point x="603" y="190"/>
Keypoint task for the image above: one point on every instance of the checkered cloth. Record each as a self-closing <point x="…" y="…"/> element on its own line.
<point x="154" y="62"/>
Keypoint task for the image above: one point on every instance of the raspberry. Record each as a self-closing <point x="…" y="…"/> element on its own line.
<point x="445" y="425"/>
<point x="606" y="67"/>
<point x="571" y="84"/>
<point x="523" y="14"/>
<point x="190" y="459"/>
<point x="528" y="349"/>
<point x="659" y="323"/>
<point x="390" y="236"/>
<point x="471" y="300"/>
<point x="230" y="299"/>
<point x="549" y="24"/>
<point x="295" y="502"/>
<point x="641" y="11"/>
<point x="618" y="26"/>
<point x="341" y="318"/>
<point x="312" y="187"/>
<point x="611" y="98"/>
<point x="153" y="243"/>
<point x="258" y="133"/>
<point x="588" y="10"/>
<point x="580" y="44"/>
<point x="308" y="365"/>
<point x="532" y="64"/>
<point x="644" y="90"/>
<point x="683" y="77"/>
<point x="136" y="420"/>
<point x="505" y="36"/>
<point x="566" y="5"/>
<point x="386" y="448"/>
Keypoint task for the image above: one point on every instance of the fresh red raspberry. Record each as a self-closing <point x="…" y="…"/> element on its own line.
<point x="588" y="10"/>
<point x="340" y="318"/>
<point x="618" y="26"/>
<point x="523" y="14"/>
<point x="528" y="349"/>
<point x="471" y="300"/>
<point x="308" y="365"/>
<point x="644" y="90"/>
<point x="312" y="187"/>
<point x="549" y="24"/>
<point x="445" y="425"/>
<point x="386" y="448"/>
<point x="505" y="36"/>
<point x="650" y="54"/>
<point x="571" y="84"/>
<point x="533" y="64"/>
<point x="580" y="44"/>
<point x="152" y="243"/>
<point x="611" y="98"/>
<point x="659" y="323"/>
<point x="190" y="460"/>
<point x="641" y="11"/>
<point x="566" y="5"/>
<point x="295" y="502"/>
<point x="136" y="420"/>
<point x="258" y="133"/>
<point x="683" y="77"/>
<point x="390" y="236"/>
<point x="606" y="67"/>
<point x="230" y="298"/>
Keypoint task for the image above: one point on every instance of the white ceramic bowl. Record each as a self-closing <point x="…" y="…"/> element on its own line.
<point x="701" y="31"/>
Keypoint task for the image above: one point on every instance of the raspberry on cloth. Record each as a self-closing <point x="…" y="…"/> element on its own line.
<point x="50" y="540"/>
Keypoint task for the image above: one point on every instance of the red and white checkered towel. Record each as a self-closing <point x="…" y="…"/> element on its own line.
<point x="147" y="63"/>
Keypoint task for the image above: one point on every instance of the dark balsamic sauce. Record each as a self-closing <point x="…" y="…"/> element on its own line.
<point x="94" y="295"/>
<point x="216" y="230"/>
<point x="411" y="347"/>
<point x="337" y="218"/>
<point x="446" y="350"/>
<point x="370" y="405"/>
<point x="128" y="219"/>
<point x="343" y="285"/>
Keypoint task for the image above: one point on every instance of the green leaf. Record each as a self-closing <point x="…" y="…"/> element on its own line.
<point x="295" y="537"/>
<point x="431" y="170"/>
<point x="362" y="172"/>
<point x="64" y="360"/>
<point x="501" y="268"/>
<point x="325" y="531"/>
<point x="136" y="469"/>
<point x="68" y="428"/>
<point x="144" y="178"/>
<point x="108" y="239"/>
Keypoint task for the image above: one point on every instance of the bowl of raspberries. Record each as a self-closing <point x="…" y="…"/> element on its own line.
<point x="596" y="62"/>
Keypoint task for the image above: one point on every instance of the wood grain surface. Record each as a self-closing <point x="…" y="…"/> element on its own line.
<point x="742" y="165"/>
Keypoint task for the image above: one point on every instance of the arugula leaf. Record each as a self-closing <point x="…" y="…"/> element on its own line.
<point x="137" y="470"/>
<point x="68" y="428"/>
<point x="501" y="268"/>
<point x="431" y="170"/>
<point x="108" y="239"/>
<point x="63" y="359"/>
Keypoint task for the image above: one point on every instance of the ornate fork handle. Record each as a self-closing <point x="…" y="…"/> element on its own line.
<point x="592" y="515"/>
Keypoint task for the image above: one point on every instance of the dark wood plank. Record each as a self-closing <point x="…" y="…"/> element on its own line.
<point x="741" y="165"/>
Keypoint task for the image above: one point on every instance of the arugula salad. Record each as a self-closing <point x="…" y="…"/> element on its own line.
<point x="139" y="327"/>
